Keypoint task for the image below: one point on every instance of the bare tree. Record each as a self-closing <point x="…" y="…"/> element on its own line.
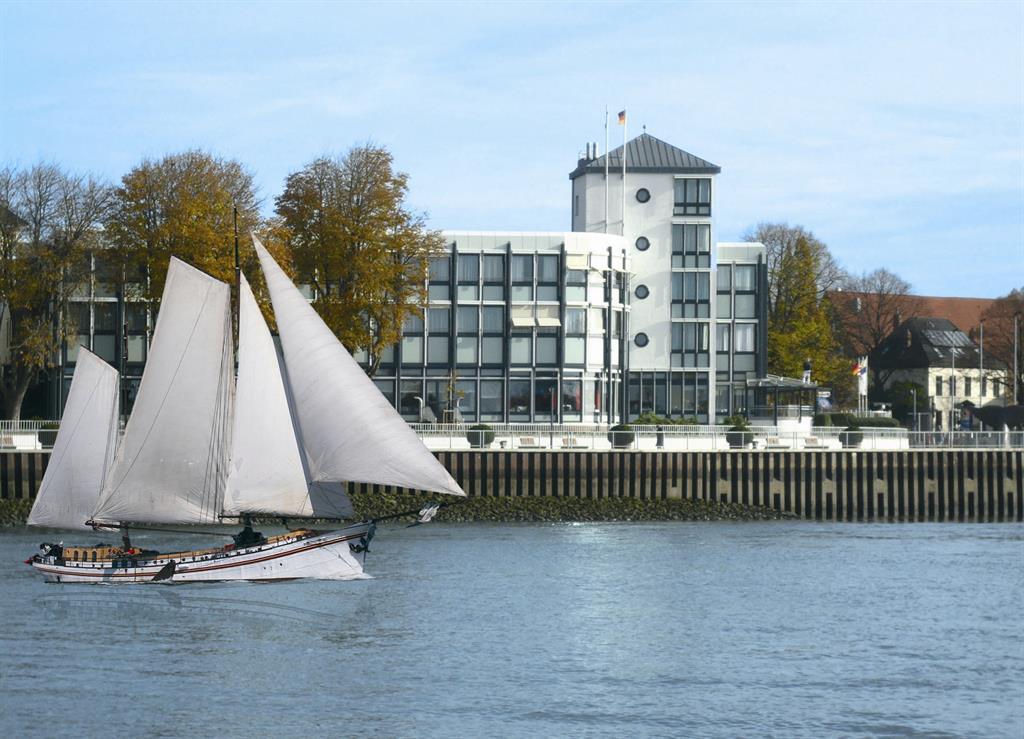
<point x="868" y="307"/>
<point x="999" y="339"/>
<point x="49" y="222"/>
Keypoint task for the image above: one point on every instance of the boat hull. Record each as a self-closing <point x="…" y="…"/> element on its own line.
<point x="315" y="555"/>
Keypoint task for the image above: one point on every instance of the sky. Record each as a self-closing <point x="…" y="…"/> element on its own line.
<point x="893" y="131"/>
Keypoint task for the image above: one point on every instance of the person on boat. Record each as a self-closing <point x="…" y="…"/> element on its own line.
<point x="247" y="537"/>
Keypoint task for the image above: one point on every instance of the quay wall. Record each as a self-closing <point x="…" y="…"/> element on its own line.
<point x="968" y="485"/>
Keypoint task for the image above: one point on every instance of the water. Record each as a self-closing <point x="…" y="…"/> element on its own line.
<point x="776" y="629"/>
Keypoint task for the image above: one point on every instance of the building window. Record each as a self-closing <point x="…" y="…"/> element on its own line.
<point x="690" y="344"/>
<point x="547" y="278"/>
<point x="641" y="291"/>
<point x="522" y="277"/>
<point x="412" y="340"/>
<point x="643" y="195"/>
<point x="440" y="278"/>
<point x="575" y="335"/>
<point x="746" y="278"/>
<point x="469" y="276"/>
<point x="576" y="205"/>
<point x="691" y="245"/>
<point x="466" y="341"/>
<point x="520" y="347"/>
<point x="938" y="386"/>
<point x="465" y="398"/>
<point x="519" y="400"/>
<point x="692" y="197"/>
<point x="492" y="343"/>
<point x="967" y="387"/>
<point x="641" y="339"/>
<point x="724" y="278"/>
<point x="575" y="286"/>
<point x="691" y="294"/>
<point x="494" y="277"/>
<point x="547" y="349"/>
<point x="744" y="337"/>
<point x="491" y="400"/>
<point x="642" y="243"/>
<point x="984" y="384"/>
<point x="438" y="331"/>
<point x="545" y="399"/>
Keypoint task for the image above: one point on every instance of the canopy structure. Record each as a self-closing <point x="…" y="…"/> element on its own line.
<point x="774" y="396"/>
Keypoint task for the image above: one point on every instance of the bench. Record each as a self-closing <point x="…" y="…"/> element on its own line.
<point x="571" y="442"/>
<point x="774" y="442"/>
<point x="528" y="442"/>
<point x="813" y="442"/>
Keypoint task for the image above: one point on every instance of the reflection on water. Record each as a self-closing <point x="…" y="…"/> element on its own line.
<point x="705" y="629"/>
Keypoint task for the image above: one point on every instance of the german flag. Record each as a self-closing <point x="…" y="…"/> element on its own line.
<point x="622" y="118"/>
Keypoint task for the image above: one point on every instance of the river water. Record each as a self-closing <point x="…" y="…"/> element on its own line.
<point x="786" y="629"/>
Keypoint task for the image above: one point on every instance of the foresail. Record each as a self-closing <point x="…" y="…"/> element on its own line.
<point x="171" y="465"/>
<point x="267" y="471"/>
<point x="349" y="431"/>
<point x="84" y="447"/>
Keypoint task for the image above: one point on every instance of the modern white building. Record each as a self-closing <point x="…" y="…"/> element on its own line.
<point x="600" y="324"/>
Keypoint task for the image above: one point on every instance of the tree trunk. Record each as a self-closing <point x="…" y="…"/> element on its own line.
<point x="10" y="405"/>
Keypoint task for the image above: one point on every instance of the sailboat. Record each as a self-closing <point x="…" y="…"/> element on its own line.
<point x="202" y="447"/>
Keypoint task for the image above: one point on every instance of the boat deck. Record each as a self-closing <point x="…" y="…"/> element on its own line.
<point x="106" y="553"/>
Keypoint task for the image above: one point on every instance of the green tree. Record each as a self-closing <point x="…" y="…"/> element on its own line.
<point x="800" y="326"/>
<point x="49" y="223"/>
<point x="355" y="241"/>
<point x="181" y="205"/>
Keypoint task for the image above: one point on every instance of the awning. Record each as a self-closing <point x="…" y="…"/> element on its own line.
<point x="523" y="317"/>
<point x="577" y="261"/>
<point x="548" y="321"/>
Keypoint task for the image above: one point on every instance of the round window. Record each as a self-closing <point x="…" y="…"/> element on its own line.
<point x="642" y="291"/>
<point x="642" y="195"/>
<point x="640" y="339"/>
<point x="642" y="243"/>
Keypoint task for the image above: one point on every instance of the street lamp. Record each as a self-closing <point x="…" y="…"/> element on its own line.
<point x="913" y="393"/>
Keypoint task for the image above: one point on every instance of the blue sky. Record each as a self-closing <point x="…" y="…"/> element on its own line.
<point x="894" y="131"/>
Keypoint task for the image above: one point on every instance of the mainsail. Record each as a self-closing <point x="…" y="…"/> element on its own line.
<point x="349" y="431"/>
<point x="84" y="447"/>
<point x="171" y="465"/>
<point x="268" y="472"/>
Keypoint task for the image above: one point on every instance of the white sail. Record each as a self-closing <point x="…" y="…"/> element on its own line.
<point x="267" y="466"/>
<point x="171" y="465"/>
<point x="349" y="431"/>
<point x="83" y="450"/>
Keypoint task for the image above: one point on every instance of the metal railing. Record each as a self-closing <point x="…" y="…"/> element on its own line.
<point x="37" y="435"/>
<point x="539" y="436"/>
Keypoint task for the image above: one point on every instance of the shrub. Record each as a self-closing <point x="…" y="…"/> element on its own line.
<point x="621" y="436"/>
<point x="480" y="436"/>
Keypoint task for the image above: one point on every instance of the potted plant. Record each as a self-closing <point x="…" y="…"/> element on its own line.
<point x="851" y="437"/>
<point x="621" y="436"/>
<point x="739" y="433"/>
<point x="480" y="436"/>
<point x="48" y="434"/>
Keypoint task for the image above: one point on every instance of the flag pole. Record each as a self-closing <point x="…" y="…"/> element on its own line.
<point x="624" y="124"/>
<point x="606" y="158"/>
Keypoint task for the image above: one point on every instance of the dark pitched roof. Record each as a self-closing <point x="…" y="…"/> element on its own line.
<point x="645" y="153"/>
<point x="928" y="342"/>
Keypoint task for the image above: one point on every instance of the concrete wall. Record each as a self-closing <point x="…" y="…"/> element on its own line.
<point x="927" y="485"/>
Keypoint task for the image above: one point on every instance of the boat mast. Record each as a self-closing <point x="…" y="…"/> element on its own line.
<point x="238" y="285"/>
